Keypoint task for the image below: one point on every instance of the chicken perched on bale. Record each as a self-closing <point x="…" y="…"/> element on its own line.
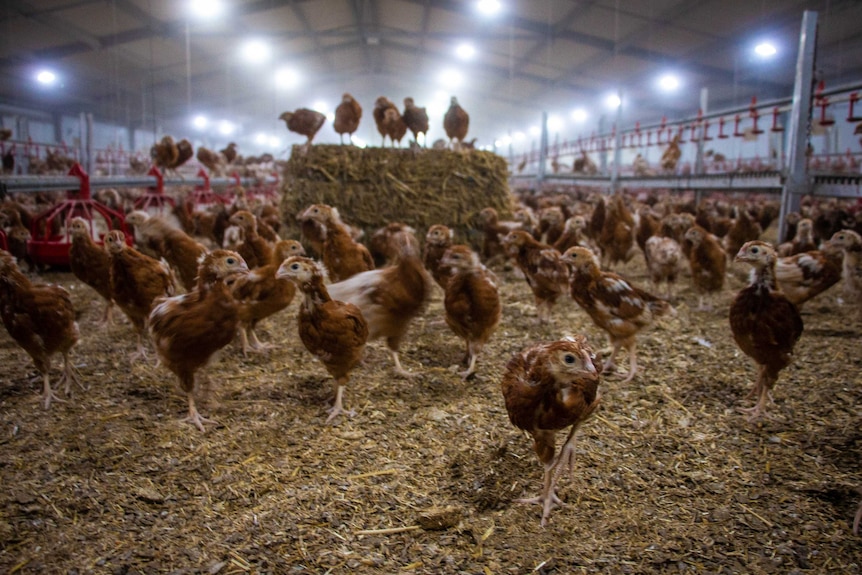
<point x="347" y="116"/>
<point x="333" y="331"/>
<point x="548" y="387"/>
<point x="382" y="106"/>
<point x="304" y="122"/>
<point x="765" y="324"/>
<point x="342" y="256"/>
<point x="137" y="281"/>
<point x="390" y="297"/>
<point x="615" y="305"/>
<point x="471" y="302"/>
<point x="41" y="319"/>
<point x="415" y="118"/>
<point x="188" y="329"/>
<point x="456" y="123"/>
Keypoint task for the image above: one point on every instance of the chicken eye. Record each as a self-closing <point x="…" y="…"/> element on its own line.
<point x="569" y="359"/>
<point x="294" y="267"/>
<point x="755" y="250"/>
<point x="231" y="261"/>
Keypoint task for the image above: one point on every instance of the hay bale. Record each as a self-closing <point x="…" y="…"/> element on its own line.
<point x="375" y="186"/>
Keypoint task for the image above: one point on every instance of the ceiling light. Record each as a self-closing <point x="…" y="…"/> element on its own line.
<point x="613" y="101"/>
<point x="226" y="128"/>
<point x="518" y="136"/>
<point x="668" y="83"/>
<point x="535" y="131"/>
<point x="488" y="7"/>
<point x="465" y="51"/>
<point x="287" y="78"/>
<point x="206" y="9"/>
<point x="555" y="123"/>
<point x="261" y="139"/>
<point x="579" y="115"/>
<point x="200" y="122"/>
<point x="450" y="78"/>
<point x="255" y="51"/>
<point x="765" y="50"/>
<point x="46" y="77"/>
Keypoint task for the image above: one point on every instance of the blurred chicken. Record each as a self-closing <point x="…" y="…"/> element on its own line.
<point x="619" y="308"/>
<point x="540" y="263"/>
<point x="229" y="153"/>
<point x="552" y="222"/>
<point x="456" y="122"/>
<point x="261" y="294"/>
<point x="585" y="165"/>
<point x="137" y="281"/>
<point x="574" y="235"/>
<point x="383" y="250"/>
<point x="641" y="167"/>
<point x="548" y="387"/>
<point x="807" y="274"/>
<point x="663" y="256"/>
<point x="708" y="264"/>
<point x="381" y="105"/>
<point x="744" y="229"/>
<point x="803" y="240"/>
<point x="342" y="256"/>
<point x="5" y="134"/>
<point x="188" y="329"/>
<point x="493" y="233"/>
<point x="394" y="125"/>
<point x="333" y="331"/>
<point x="616" y="239"/>
<point x="851" y="243"/>
<point x="90" y="263"/>
<point x="169" y="155"/>
<point x="304" y="122"/>
<point x="347" y="116"/>
<point x="765" y="324"/>
<point x="390" y="297"/>
<point x="437" y="241"/>
<point x="179" y="249"/>
<point x="416" y="119"/>
<point x="255" y="251"/>
<point x="214" y="162"/>
<point x="472" y="302"/>
<point x="41" y="319"/>
<point x="670" y="157"/>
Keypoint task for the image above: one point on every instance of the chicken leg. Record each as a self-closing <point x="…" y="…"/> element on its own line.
<point x="48" y="394"/>
<point x="761" y="390"/>
<point x="70" y="374"/>
<point x="194" y="415"/>
<point x="338" y="408"/>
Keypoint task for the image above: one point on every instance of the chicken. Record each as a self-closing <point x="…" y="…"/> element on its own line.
<point x="493" y="232"/>
<point x="616" y="239"/>
<point x="744" y="229"/>
<point x="807" y="274"/>
<point x="437" y="241"/>
<point x="416" y="119"/>
<point x="552" y="222"/>
<point x="381" y="105"/>
<point x="394" y="125"/>
<point x="765" y="324"/>
<point x="471" y="303"/>
<point x="851" y="243"/>
<point x="342" y="256"/>
<point x="803" y="240"/>
<point x="383" y="250"/>
<point x="304" y="122"/>
<point x="708" y="264"/>
<point x="545" y="273"/>
<point x="585" y="165"/>
<point x="615" y="305"/>
<point x="649" y="225"/>
<point x="390" y="297"/>
<point x="574" y="235"/>
<point x="255" y="251"/>
<point x="670" y="156"/>
<point x="168" y="155"/>
<point x="456" y="122"/>
<point x="347" y="116"/>
<point x="188" y="329"/>
<point x="663" y="256"/>
<point x="5" y="134"/>
<point x="137" y="281"/>
<point x="548" y="387"/>
<point x="90" y="263"/>
<point x="260" y="294"/>
<point x="213" y="161"/>
<point x="333" y="331"/>
<point x="41" y="319"/>
<point x="229" y="152"/>
<point x="179" y="249"/>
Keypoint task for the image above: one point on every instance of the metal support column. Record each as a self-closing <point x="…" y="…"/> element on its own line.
<point x="543" y="151"/>
<point x="603" y="153"/>
<point x="22" y="160"/>
<point x="796" y="181"/>
<point x="615" y="171"/>
<point x="698" y="159"/>
<point x="91" y="164"/>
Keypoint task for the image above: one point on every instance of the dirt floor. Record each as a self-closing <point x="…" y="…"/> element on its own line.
<point x="669" y="476"/>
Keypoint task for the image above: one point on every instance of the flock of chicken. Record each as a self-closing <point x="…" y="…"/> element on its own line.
<point x="562" y="247"/>
<point x="391" y="123"/>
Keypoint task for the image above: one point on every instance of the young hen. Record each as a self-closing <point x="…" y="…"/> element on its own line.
<point x="548" y="387"/>
<point x="342" y="256"/>
<point x="90" y="263"/>
<point x="472" y="301"/>
<point x="136" y="281"/>
<point x="437" y="241"/>
<point x="708" y="263"/>
<point x="188" y="329"/>
<point x="41" y="319"/>
<point x="765" y="324"/>
<point x="333" y="331"/>
<point x="616" y="306"/>
<point x="851" y="243"/>
<point x="390" y="297"/>
<point x="807" y="274"/>
<point x="545" y="273"/>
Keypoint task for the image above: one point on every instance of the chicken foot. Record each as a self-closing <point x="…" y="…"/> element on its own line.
<point x="763" y="387"/>
<point x="338" y="408"/>
<point x="548" y="497"/>
<point x="195" y="417"/>
<point x="48" y="394"/>
<point x="70" y="374"/>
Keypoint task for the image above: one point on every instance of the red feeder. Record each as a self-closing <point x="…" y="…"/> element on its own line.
<point x="50" y="237"/>
<point x="754" y="114"/>
<point x="721" y="134"/>
<point x="823" y="102"/>
<point x="736" y="131"/>
<point x="660" y="130"/>
<point x="775" y="126"/>
<point x="154" y="200"/>
<point x="851" y="117"/>
<point x="204" y="195"/>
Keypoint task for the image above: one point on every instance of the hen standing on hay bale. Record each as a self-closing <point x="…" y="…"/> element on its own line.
<point x="415" y="118"/>
<point x="304" y="122"/>
<point x="347" y="116"/>
<point x="456" y="122"/>
<point x="381" y="105"/>
<point x="548" y="387"/>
